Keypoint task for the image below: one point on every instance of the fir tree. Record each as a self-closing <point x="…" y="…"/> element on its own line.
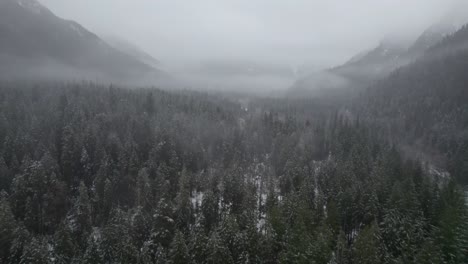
<point x="7" y="228"/>
<point x="35" y="252"/>
<point x="179" y="252"/>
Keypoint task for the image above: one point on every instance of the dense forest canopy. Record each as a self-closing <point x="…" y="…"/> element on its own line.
<point x="102" y="174"/>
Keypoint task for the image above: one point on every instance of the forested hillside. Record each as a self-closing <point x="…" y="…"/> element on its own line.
<point x="98" y="174"/>
<point x="370" y="66"/>
<point x="425" y="104"/>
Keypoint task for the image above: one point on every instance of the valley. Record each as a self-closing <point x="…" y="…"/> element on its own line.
<point x="109" y="154"/>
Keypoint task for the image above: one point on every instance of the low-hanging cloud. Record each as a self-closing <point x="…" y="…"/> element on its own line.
<point x="323" y="32"/>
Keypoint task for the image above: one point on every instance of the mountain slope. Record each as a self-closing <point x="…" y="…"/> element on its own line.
<point x="430" y="37"/>
<point x="367" y="67"/>
<point x="376" y="63"/>
<point x="37" y="44"/>
<point x="426" y="102"/>
<point x="359" y="71"/>
<point x="131" y="49"/>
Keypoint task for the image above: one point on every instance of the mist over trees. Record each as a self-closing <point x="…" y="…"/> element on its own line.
<point x="364" y="162"/>
<point x="424" y="104"/>
<point x="98" y="174"/>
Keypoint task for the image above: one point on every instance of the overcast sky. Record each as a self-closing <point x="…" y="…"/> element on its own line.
<point x="321" y="32"/>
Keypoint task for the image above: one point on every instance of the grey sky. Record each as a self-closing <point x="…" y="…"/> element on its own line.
<point x="321" y="32"/>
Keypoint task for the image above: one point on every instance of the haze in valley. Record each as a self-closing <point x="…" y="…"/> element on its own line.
<point x="253" y="44"/>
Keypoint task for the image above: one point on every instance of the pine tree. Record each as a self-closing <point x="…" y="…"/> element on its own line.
<point x="93" y="253"/>
<point x="86" y="167"/>
<point x="183" y="208"/>
<point x="320" y="249"/>
<point x="38" y="197"/>
<point x="163" y="224"/>
<point x="218" y="251"/>
<point x="107" y="199"/>
<point x="430" y="252"/>
<point x="342" y="254"/>
<point x="210" y="210"/>
<point x="149" y="104"/>
<point x="116" y="239"/>
<point x="69" y="156"/>
<point x="21" y="238"/>
<point x="161" y="256"/>
<point x="179" y="252"/>
<point x="140" y="227"/>
<point x="453" y="227"/>
<point x="7" y="228"/>
<point x="198" y="245"/>
<point x="143" y="188"/>
<point x="35" y="252"/>
<point x="5" y="175"/>
<point x="32" y="216"/>
<point x="366" y="247"/>
<point x="65" y="246"/>
<point x="80" y="217"/>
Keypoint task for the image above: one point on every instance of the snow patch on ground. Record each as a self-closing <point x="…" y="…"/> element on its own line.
<point x="434" y="171"/>
<point x="96" y="234"/>
<point x="260" y="223"/>
<point x="197" y="199"/>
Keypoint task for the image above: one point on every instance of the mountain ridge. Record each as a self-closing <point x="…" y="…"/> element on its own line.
<point x="37" y="44"/>
<point x="424" y="104"/>
<point x="371" y="65"/>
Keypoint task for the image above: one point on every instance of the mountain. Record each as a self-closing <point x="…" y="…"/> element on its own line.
<point x="131" y="49"/>
<point x="359" y="71"/>
<point x="374" y="64"/>
<point x="369" y="66"/>
<point x="452" y="44"/>
<point x="430" y="37"/>
<point x="35" y="43"/>
<point x="425" y="104"/>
